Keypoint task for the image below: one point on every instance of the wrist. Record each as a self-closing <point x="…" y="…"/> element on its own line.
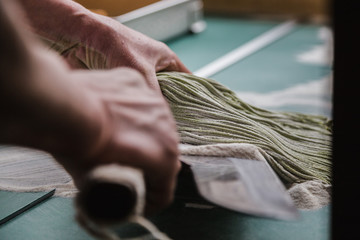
<point x="52" y="110"/>
<point x="44" y="104"/>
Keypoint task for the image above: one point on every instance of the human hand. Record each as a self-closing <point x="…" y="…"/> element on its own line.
<point x="139" y="131"/>
<point x="135" y="50"/>
<point x="113" y="45"/>
<point x="85" y="118"/>
<point x="89" y="40"/>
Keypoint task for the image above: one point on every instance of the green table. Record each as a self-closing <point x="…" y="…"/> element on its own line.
<point x="274" y="68"/>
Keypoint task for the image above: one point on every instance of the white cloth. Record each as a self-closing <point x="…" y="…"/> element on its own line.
<point x="28" y="170"/>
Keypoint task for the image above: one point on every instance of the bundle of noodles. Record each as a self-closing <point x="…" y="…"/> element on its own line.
<point x="298" y="145"/>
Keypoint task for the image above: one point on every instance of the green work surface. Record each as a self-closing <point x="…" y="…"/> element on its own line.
<point x="54" y="219"/>
<point x="221" y="36"/>
<point x="10" y="202"/>
<point x="271" y="69"/>
<point x="276" y="65"/>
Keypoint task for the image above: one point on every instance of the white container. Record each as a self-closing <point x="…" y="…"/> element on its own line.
<point x="166" y="19"/>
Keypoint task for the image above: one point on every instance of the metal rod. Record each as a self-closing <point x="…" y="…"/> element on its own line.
<point x="28" y="206"/>
<point x="247" y="49"/>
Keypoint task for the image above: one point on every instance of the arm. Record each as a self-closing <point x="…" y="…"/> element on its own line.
<point x="84" y="118"/>
<point x="33" y="85"/>
<point x="59" y="20"/>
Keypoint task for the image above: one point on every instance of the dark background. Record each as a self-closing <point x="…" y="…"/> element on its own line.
<point x="346" y="170"/>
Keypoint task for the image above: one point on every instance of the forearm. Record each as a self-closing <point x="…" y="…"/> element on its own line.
<point x="42" y="106"/>
<point x="51" y="111"/>
<point x="89" y="40"/>
<point x="57" y="117"/>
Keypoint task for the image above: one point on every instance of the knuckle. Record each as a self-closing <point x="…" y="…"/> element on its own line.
<point x="166" y="48"/>
<point x="163" y="45"/>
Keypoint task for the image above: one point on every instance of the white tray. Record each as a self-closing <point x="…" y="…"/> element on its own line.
<point x="166" y="19"/>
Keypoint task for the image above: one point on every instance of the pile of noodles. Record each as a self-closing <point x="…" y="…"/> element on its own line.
<point x="298" y="145"/>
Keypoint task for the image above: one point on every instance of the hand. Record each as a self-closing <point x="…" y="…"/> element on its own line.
<point x="135" y="50"/>
<point x="87" y="118"/>
<point x="90" y="118"/>
<point x="94" y="41"/>
<point x="114" y="45"/>
<point x="139" y="131"/>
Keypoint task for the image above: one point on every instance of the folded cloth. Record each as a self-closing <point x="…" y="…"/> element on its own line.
<point x="29" y="170"/>
<point x="308" y="195"/>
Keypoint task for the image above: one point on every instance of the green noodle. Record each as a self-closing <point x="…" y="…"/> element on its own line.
<point x="206" y="112"/>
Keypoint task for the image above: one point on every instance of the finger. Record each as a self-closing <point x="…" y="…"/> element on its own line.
<point x="172" y="63"/>
<point x="160" y="191"/>
<point x="180" y="66"/>
<point x="158" y="199"/>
